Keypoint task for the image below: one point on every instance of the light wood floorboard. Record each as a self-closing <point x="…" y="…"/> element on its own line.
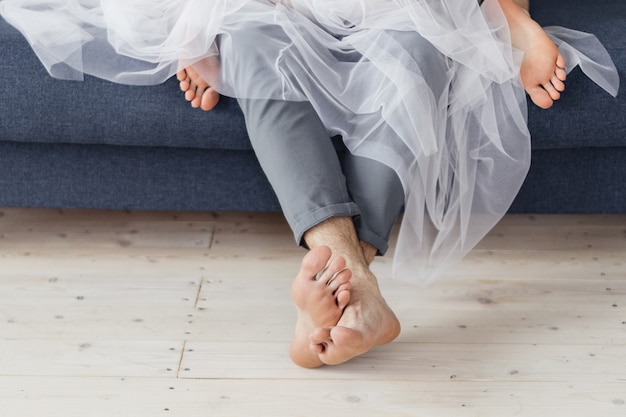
<point x="111" y="313"/>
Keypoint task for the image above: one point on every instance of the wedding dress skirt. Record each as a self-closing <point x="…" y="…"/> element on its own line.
<point x="461" y="151"/>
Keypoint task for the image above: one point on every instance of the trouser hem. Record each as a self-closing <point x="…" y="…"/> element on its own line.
<point x="319" y="215"/>
<point x="373" y="239"/>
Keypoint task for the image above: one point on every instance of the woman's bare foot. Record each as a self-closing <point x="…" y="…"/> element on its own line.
<point x="197" y="91"/>
<point x="321" y="291"/>
<point x="542" y="69"/>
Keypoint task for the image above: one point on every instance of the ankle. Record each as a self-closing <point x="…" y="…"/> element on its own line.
<point x="369" y="252"/>
<point x="339" y="234"/>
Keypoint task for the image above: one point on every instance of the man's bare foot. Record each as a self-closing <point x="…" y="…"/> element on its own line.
<point x="320" y="291"/>
<point x="367" y="321"/>
<point x="542" y="69"/>
<point x="197" y="90"/>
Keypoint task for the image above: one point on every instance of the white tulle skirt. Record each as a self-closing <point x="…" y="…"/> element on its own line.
<point x="462" y="154"/>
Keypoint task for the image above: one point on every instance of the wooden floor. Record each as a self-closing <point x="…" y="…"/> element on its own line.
<point x="188" y="314"/>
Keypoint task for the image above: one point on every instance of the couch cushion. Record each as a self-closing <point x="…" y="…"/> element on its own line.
<point x="586" y="115"/>
<point x="95" y="111"/>
<point x="44" y="109"/>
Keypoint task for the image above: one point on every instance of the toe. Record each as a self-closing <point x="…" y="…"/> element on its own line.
<point x="554" y="94"/>
<point x="314" y="264"/>
<point x="197" y="99"/>
<point x="340" y="279"/>
<point x="190" y="93"/>
<point x="557" y="83"/>
<point x="343" y="296"/>
<point x="320" y="336"/>
<point x="315" y="261"/>
<point x="184" y="85"/>
<point x="199" y="91"/>
<point x="317" y="348"/>
<point x="210" y="98"/>
<point x="331" y="270"/>
<point x="343" y="344"/>
<point x="560" y="74"/>
<point x="181" y="75"/>
<point x="560" y="61"/>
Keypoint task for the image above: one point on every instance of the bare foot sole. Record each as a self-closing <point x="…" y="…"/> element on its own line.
<point x="321" y="292"/>
<point x="542" y="71"/>
<point x="197" y="91"/>
<point x="366" y="322"/>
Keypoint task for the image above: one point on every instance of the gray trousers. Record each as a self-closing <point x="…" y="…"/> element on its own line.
<point x="313" y="181"/>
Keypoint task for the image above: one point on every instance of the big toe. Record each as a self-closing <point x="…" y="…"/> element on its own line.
<point x="315" y="261"/>
<point x="209" y="100"/>
<point x="319" y="339"/>
<point x="343" y="344"/>
<point x="540" y="97"/>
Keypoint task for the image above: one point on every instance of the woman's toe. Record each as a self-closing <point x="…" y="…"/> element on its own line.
<point x="557" y="83"/>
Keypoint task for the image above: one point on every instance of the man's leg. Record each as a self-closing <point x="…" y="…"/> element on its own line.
<point x="378" y="192"/>
<point x="367" y="321"/>
<point x="302" y="165"/>
<point x="299" y="161"/>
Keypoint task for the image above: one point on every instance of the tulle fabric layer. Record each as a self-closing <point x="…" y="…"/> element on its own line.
<point x="462" y="149"/>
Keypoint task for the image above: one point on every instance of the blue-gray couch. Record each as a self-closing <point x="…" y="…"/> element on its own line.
<point x="99" y="145"/>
